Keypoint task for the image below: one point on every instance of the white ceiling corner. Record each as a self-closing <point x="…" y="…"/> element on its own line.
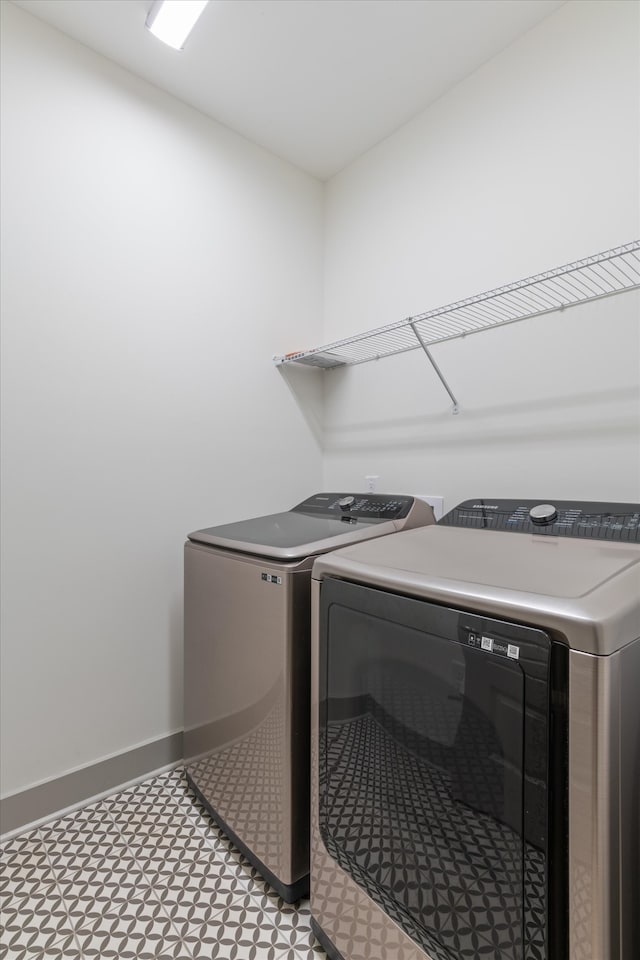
<point x="316" y="82"/>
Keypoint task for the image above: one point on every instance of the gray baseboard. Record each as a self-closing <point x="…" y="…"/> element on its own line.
<point x="45" y="800"/>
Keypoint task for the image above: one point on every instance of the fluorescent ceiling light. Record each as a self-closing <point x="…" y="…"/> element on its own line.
<point x="173" y="20"/>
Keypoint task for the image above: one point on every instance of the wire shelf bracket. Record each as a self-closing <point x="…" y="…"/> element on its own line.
<point x="594" y="278"/>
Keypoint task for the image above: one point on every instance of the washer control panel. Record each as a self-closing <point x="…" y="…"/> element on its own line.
<point x="357" y="506"/>
<point x="596" y="520"/>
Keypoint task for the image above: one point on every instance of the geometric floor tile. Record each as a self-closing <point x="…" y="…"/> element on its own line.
<point x="142" y="875"/>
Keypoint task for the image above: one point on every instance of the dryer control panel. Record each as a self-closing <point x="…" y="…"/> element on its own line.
<point x="357" y="506"/>
<point x="596" y="520"/>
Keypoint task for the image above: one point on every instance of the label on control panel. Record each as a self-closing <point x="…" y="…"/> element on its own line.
<point x="271" y="578"/>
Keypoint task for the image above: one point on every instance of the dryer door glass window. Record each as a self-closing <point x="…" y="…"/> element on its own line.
<point x="433" y="767"/>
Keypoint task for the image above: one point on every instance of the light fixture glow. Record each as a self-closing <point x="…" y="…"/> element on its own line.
<point x="173" y="20"/>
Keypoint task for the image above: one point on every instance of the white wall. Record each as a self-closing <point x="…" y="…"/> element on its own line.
<point x="153" y="263"/>
<point x="530" y="163"/>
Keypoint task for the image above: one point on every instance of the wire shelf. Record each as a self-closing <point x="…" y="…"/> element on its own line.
<point x="603" y="275"/>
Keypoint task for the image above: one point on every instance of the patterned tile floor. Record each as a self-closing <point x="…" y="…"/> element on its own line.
<point x="142" y="875"/>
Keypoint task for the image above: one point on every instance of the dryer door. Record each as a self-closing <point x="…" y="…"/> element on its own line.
<point x="435" y="728"/>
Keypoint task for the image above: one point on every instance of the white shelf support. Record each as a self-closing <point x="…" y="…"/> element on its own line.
<point x="456" y="407"/>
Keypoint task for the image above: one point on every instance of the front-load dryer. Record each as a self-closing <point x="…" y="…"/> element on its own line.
<point x="247" y="668"/>
<point x="476" y="738"/>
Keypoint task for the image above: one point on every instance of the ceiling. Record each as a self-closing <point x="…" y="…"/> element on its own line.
<point x="316" y="82"/>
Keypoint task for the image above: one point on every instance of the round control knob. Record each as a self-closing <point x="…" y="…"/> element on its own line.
<point x="345" y="503"/>
<point x="543" y="513"/>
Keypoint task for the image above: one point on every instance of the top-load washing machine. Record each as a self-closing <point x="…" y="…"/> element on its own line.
<point x="247" y="668"/>
<point x="476" y="738"/>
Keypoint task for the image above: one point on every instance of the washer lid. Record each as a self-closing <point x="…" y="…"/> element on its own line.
<point x="320" y="523"/>
<point x="589" y="590"/>
<point x="291" y="535"/>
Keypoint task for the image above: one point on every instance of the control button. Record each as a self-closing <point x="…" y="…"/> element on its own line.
<point x="345" y="503"/>
<point x="543" y="513"/>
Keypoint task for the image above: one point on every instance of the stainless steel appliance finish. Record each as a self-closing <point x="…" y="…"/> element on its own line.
<point x="527" y="620"/>
<point x="247" y="668"/>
